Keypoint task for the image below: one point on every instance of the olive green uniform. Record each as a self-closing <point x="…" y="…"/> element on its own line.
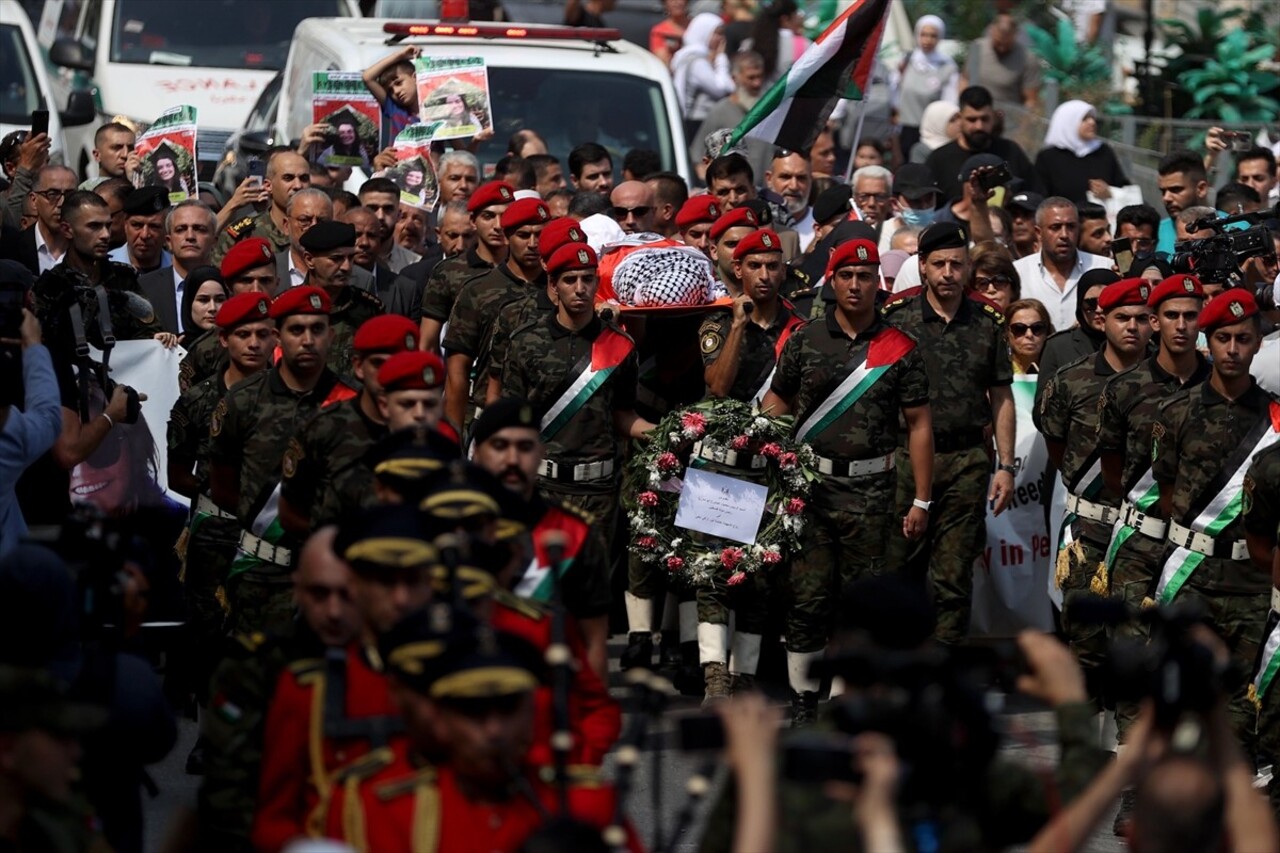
<point x="328" y="476"/>
<point x="964" y="358"/>
<point x="445" y="283"/>
<point x="205" y="356"/>
<point x="1261" y="510"/>
<point x="349" y="310"/>
<point x="259" y="225"/>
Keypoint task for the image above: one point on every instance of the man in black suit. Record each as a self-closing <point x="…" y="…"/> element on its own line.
<point x="368" y="241"/>
<point x="190" y="230"/>
<point x="42" y="246"/>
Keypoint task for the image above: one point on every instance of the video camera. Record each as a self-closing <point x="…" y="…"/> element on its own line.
<point x="1218" y="259"/>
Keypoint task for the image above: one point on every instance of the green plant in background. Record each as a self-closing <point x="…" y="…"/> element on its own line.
<point x="1195" y="44"/>
<point x="1081" y="71"/>
<point x="1230" y="86"/>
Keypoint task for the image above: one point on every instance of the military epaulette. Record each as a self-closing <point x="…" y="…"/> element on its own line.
<point x="361" y="293"/>
<point x="801" y="276"/>
<point x="235" y="229"/>
<point x="576" y="511"/>
<point x="306" y="666"/>
<point x="406" y="785"/>
<point x="899" y="299"/>
<point x="992" y="309"/>
<point x="526" y="607"/>
<point x="365" y="766"/>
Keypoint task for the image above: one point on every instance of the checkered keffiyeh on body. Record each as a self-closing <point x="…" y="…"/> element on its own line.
<point x="667" y="275"/>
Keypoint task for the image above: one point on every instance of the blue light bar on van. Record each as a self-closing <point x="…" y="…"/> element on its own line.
<point x="502" y="31"/>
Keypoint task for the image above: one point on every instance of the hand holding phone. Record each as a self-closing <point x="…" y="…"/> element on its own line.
<point x="39" y="122"/>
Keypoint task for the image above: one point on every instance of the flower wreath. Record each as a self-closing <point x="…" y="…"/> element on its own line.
<point x="652" y="492"/>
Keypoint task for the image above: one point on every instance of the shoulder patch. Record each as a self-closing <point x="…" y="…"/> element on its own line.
<point x="1246" y="497"/>
<point x="293" y="454"/>
<point x="711" y="341"/>
<point x="237" y="228"/>
<point x="992" y="310"/>
<point x="370" y="298"/>
<point x="215" y="420"/>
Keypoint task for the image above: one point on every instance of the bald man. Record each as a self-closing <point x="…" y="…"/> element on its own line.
<point x="633" y="203"/>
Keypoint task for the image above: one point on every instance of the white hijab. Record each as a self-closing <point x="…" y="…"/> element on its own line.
<point x="1064" y="129"/>
<point x="697" y="36"/>
<point x="933" y="124"/>
<point x="934" y="58"/>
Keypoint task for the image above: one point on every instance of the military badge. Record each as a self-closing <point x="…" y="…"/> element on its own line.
<point x="711" y="342"/>
<point x="1237" y="309"/>
<point x="315" y="301"/>
<point x="582" y="257"/>
<point x="215" y="420"/>
<point x="766" y="241"/>
<point x="862" y="253"/>
<point x="409" y="342"/>
<point x="429" y="375"/>
<point x="1246" y="496"/>
<point x="1189" y="285"/>
<point x="292" y="455"/>
<point x="263" y="309"/>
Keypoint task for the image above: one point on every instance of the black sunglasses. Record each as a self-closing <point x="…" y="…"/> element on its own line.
<point x="621" y="213"/>
<point x="1090" y="304"/>
<point x="1020" y="329"/>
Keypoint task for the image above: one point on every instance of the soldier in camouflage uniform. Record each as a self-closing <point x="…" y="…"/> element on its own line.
<point x="1202" y="446"/>
<point x="963" y="344"/>
<point x="287" y="172"/>
<point x="468" y="345"/>
<point x="249" y="336"/>
<point x="328" y="249"/>
<point x="250" y="431"/>
<point x="1069" y="422"/>
<point x="725" y="233"/>
<point x="852" y="427"/>
<point x="1261" y="511"/>
<point x="486" y="207"/>
<point x="327" y="476"/>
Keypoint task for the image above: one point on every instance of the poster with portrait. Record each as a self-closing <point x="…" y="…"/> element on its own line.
<point x="454" y="91"/>
<point x="340" y="100"/>
<point x="167" y="151"/>
<point x="413" y="172"/>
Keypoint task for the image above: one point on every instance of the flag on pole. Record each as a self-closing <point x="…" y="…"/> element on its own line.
<point x="837" y="65"/>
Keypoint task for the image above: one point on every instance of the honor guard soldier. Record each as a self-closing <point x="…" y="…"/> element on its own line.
<point x="694" y="222"/>
<point x="1261" y="509"/>
<point x="486" y="206"/>
<point x="250" y="431"/>
<point x="325" y="474"/>
<point x="963" y="345"/>
<point x="411" y="387"/>
<point x="287" y="173"/>
<point x="725" y="234"/>
<point x="468" y="344"/>
<point x="848" y="379"/>
<point x="327" y="251"/>
<point x="248" y="268"/>
<point x="1069" y="421"/>
<point x="1202" y="446"/>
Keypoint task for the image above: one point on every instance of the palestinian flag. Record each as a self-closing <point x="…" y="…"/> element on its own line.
<point x="837" y="65"/>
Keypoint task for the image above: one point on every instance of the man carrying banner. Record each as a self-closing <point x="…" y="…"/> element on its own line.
<point x="287" y="172"/>
<point x="848" y="378"/>
<point x="249" y="431"/>
<point x="327" y="251"/>
<point x="1203" y="443"/>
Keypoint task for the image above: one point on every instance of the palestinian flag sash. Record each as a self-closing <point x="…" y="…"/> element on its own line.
<point x="885" y="350"/>
<point x="793" y="323"/>
<point x="266" y="526"/>
<point x="537" y="582"/>
<point x="1268" y="660"/>
<point x="1086" y="486"/>
<point x="608" y="351"/>
<point x="1143" y="496"/>
<point x="1223" y="508"/>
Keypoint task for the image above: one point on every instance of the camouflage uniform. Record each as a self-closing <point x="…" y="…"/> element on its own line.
<point x="445" y="283"/>
<point x="205" y="356"/>
<point x="1131" y="401"/>
<point x="260" y="225"/>
<point x="964" y="359"/>
<point x="850" y="523"/>
<point x="352" y="306"/>
<point x="512" y="315"/>
<point x="1069" y="411"/>
<point x="250" y="431"/>
<point x="1198" y="441"/>
<point x="1261" y="510"/>
<point x="327" y="476"/>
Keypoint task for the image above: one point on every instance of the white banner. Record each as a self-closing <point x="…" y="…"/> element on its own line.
<point x="1010" y="577"/>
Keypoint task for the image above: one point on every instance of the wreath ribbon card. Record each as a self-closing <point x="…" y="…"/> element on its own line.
<point x="722" y="506"/>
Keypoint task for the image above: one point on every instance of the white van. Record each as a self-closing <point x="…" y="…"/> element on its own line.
<point x="140" y="57"/>
<point x="25" y="85"/>
<point x="550" y="79"/>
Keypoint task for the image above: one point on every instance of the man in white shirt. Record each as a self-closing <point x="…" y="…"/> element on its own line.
<point x="1051" y="274"/>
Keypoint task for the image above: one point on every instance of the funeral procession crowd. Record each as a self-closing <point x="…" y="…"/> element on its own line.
<point x="429" y="515"/>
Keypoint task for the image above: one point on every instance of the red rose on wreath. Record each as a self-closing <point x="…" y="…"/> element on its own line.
<point x="675" y="564"/>
<point x="773" y="450"/>
<point x="770" y="557"/>
<point x="787" y="461"/>
<point x="667" y="462"/>
<point x="731" y="556"/>
<point x="694" y="424"/>
<point x="737" y="578"/>
<point x="795" y="506"/>
<point x="740" y="442"/>
<point x="647" y="542"/>
<point x="648" y="499"/>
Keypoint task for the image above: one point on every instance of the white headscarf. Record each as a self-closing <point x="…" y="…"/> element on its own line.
<point x="934" y="58"/>
<point x="697" y="36"/>
<point x="933" y="125"/>
<point x="1064" y="129"/>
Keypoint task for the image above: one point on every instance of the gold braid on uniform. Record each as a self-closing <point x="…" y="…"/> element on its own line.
<point x="1071" y="553"/>
<point x="1101" y="583"/>
<point x="180" y="548"/>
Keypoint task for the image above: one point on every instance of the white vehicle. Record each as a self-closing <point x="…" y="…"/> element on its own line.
<point x="25" y="85"/>
<point x="140" y="57"/>
<point x="569" y="88"/>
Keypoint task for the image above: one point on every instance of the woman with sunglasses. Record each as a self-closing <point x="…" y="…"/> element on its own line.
<point x="1028" y="327"/>
<point x="993" y="276"/>
<point x="1083" y="338"/>
<point x="202" y="295"/>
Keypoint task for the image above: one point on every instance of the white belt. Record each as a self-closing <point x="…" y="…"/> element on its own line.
<point x="580" y="473"/>
<point x="1092" y="511"/>
<point x="1185" y="537"/>
<point x="732" y="458"/>
<point x="264" y="550"/>
<point x="205" y="505"/>
<point x="1152" y="528"/>
<point x="856" y="468"/>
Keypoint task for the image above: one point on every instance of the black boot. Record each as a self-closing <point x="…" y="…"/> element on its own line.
<point x="688" y="678"/>
<point x="669" y="658"/>
<point x="804" y="709"/>
<point x="639" y="652"/>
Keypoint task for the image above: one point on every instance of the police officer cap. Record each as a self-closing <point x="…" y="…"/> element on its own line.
<point x="832" y="202"/>
<point x="385" y="538"/>
<point x="1228" y="308"/>
<point x="1180" y="286"/>
<point x="757" y="242"/>
<point x="243" y="308"/>
<point x="1127" y="291"/>
<point x="413" y="370"/>
<point x="493" y="192"/>
<point x="303" y="299"/>
<point x="739" y="217"/>
<point x="942" y="235"/>
<point x="860" y="252"/>
<point x="558" y="232"/>
<point x="464" y="492"/>
<point x="525" y="211"/>
<point x="327" y="235"/>
<point x="146" y="201"/>
<point x="699" y="209"/>
<point x="410" y="456"/>
<point x="572" y="256"/>
<point x="501" y="414"/>
<point x="391" y="333"/>
<point x="247" y="255"/>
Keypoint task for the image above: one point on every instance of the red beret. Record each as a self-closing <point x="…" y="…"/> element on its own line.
<point x="1179" y="286"/>
<point x="572" y="256"/>
<point x="859" y="252"/>
<point x="559" y="231"/>
<point x="700" y="208"/>
<point x="757" y="242"/>
<point x="243" y="308"/>
<point x="738" y="217"/>
<point x="1228" y="308"/>
<point x="246" y="255"/>
<point x="494" y="192"/>
<point x="386" y="333"/>
<point x="411" y="371"/>
<point x="1126" y="291"/>
<point x="303" y="299"/>
<point x="525" y="211"/>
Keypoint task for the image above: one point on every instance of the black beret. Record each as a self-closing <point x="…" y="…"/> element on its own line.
<point x="832" y="202"/>
<point x="507" y="412"/>
<point x="146" y="201"/>
<point x="760" y="207"/>
<point x="327" y="235"/>
<point x="942" y="235"/>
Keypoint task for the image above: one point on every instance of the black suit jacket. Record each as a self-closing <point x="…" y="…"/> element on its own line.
<point x="157" y="286"/>
<point x="20" y="246"/>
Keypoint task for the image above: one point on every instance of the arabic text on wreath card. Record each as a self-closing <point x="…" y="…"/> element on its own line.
<point x="721" y="506"/>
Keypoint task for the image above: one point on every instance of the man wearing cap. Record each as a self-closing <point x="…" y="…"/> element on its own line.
<point x="250" y="430"/>
<point x="1069" y="420"/>
<point x="725" y="234"/>
<point x="915" y="202"/>
<point x="485" y="207"/>
<point x="833" y="206"/>
<point x="468" y="345"/>
<point x="694" y="222"/>
<point x="1025" y="238"/>
<point x="1053" y="274"/>
<point x="327" y="251"/>
<point x="144" y="211"/>
<point x="851" y="424"/>
<point x="412" y="384"/>
<point x="287" y="173"/>
<point x="1203" y="442"/>
<point x="963" y="345"/>
<point x="324" y="473"/>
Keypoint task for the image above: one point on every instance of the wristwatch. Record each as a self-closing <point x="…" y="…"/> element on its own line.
<point x="919" y="504"/>
<point x="1011" y="469"/>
